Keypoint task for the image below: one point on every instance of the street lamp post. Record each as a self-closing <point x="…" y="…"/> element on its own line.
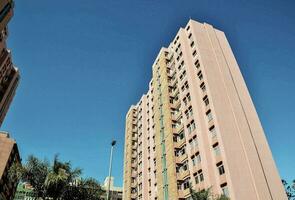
<point x="110" y="169"/>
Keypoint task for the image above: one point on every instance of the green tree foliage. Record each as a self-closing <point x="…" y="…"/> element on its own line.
<point x="290" y="189"/>
<point x="57" y="181"/>
<point x="85" y="189"/>
<point x="206" y="195"/>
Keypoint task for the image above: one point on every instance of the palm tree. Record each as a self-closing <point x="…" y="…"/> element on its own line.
<point x="85" y="189"/>
<point x="34" y="172"/>
<point x="59" y="177"/>
<point x="57" y="181"/>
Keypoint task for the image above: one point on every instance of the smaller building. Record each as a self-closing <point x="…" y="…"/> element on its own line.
<point x="24" y="192"/>
<point x="8" y="156"/>
<point x="116" y="193"/>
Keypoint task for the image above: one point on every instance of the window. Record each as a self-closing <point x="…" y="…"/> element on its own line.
<point x="197" y="64"/>
<point x="195" y="142"/>
<point x="209" y="115"/>
<point x="199" y="177"/>
<point x="194" y="160"/>
<point x="182" y="75"/>
<point x="192" y="44"/>
<point x="189" y="112"/>
<point x="181" y="135"/>
<point x="186" y="114"/>
<point x="189" y="36"/>
<point x="200" y="75"/>
<point x="198" y="158"/>
<point x="191" y="126"/>
<point x="181" y="65"/>
<point x="186" y="85"/>
<point x="206" y="100"/>
<point x="188" y="28"/>
<point x="194" y="53"/>
<point x="216" y="149"/>
<point x="203" y="87"/>
<point x="140" y="187"/>
<point x="191" y="143"/>
<point x="220" y="168"/>
<point x="179" y="152"/>
<point x="133" y="190"/>
<point x="186" y="183"/>
<point x="224" y="189"/>
<point x="188" y="97"/>
<point x="184" y="166"/>
<point x="185" y="101"/>
<point x="212" y="131"/>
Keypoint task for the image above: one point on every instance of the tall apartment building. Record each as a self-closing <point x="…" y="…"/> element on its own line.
<point x="197" y="126"/>
<point x="9" y="78"/>
<point x="9" y="75"/>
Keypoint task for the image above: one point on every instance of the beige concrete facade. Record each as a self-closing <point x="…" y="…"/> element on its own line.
<point x="197" y="126"/>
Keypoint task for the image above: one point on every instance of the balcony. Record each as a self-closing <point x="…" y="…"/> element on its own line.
<point x="134" y="174"/>
<point x="134" y="147"/>
<point x="134" y="165"/>
<point x="177" y="128"/>
<point x="174" y="92"/>
<point x="134" y="138"/>
<point x="134" y="130"/>
<point x="175" y="104"/>
<point x="134" y="184"/>
<point x="179" y="143"/>
<point x="183" y="193"/>
<point x="172" y="73"/>
<point x="133" y="196"/>
<point x="181" y="158"/>
<point x="134" y="155"/>
<point x="172" y="82"/>
<point x="176" y="115"/>
<point x="182" y="175"/>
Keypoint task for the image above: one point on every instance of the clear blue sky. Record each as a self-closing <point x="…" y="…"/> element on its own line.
<point x="84" y="62"/>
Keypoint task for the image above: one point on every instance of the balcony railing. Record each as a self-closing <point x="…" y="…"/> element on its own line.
<point x="179" y="143"/>
<point x="182" y="175"/>
<point x="181" y="158"/>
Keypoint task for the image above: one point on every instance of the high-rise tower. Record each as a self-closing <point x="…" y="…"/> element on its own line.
<point x="9" y="75"/>
<point x="9" y="78"/>
<point x="197" y="126"/>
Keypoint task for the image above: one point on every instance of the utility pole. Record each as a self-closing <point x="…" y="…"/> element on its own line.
<point x="110" y="169"/>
